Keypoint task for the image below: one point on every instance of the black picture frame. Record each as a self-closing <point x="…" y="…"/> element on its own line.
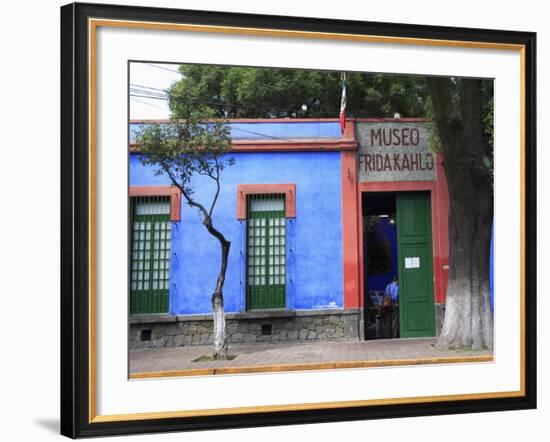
<point x="75" y="221"/>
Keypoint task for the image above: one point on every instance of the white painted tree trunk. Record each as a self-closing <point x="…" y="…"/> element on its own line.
<point x="468" y="322"/>
<point x="220" y="336"/>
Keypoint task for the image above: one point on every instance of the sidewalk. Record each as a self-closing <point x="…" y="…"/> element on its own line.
<point x="297" y="356"/>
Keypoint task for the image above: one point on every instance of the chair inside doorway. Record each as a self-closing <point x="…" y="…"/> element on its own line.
<point x="380" y="262"/>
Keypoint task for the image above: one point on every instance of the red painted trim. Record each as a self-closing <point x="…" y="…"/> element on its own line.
<point x="254" y="189"/>
<point x="393" y="120"/>
<point x="172" y="191"/>
<point x="345" y="143"/>
<point x="439" y="200"/>
<point x="287" y="145"/>
<point x="284" y="120"/>
<point x="396" y="186"/>
<point x="349" y="230"/>
<point x="349" y="130"/>
<point x="294" y="145"/>
<point x="253" y="120"/>
<point x="301" y="120"/>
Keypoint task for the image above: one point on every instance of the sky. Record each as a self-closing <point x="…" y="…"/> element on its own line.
<point x="148" y="80"/>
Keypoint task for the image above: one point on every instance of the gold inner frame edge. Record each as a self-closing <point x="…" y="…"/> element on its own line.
<point x="93" y="23"/>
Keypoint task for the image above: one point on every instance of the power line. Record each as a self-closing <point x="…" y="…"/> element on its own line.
<point x="145" y="94"/>
<point x="154" y="97"/>
<point x="258" y="133"/>
<point x="261" y="108"/>
<point x="134" y="88"/>
<point x="148" y="104"/>
<point x="148" y="94"/>
<point x="161" y="67"/>
<point x="147" y="87"/>
<point x="158" y="96"/>
<point x="249" y="131"/>
<point x="237" y="105"/>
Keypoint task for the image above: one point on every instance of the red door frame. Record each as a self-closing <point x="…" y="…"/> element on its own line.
<point x="354" y="278"/>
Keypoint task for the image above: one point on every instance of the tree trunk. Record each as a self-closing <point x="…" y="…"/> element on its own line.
<point x="468" y="322"/>
<point x="220" y="336"/>
<point x="212" y="170"/>
<point x="218" y="312"/>
<point x="468" y="319"/>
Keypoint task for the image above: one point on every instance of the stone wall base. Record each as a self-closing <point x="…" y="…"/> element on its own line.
<point x="264" y="326"/>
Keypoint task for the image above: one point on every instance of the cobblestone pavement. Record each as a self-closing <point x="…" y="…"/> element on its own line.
<point x="277" y="354"/>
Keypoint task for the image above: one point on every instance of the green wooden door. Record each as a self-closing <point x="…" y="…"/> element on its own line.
<point x="414" y="251"/>
<point x="266" y="252"/>
<point x="150" y="255"/>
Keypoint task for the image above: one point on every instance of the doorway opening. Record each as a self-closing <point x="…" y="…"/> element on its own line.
<point x="380" y="261"/>
<point x="398" y="264"/>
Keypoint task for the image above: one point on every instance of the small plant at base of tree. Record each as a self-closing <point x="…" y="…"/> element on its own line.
<point x="210" y="358"/>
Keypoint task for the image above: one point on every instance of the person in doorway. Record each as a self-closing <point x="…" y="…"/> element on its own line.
<point x="391" y="301"/>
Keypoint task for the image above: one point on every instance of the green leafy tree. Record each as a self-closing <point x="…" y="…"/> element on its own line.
<point x="181" y="150"/>
<point x="237" y="92"/>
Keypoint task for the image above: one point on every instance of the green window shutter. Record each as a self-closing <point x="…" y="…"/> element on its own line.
<point x="150" y="255"/>
<point x="266" y="252"/>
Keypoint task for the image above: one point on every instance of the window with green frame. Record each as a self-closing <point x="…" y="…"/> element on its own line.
<point x="150" y="254"/>
<point x="266" y="252"/>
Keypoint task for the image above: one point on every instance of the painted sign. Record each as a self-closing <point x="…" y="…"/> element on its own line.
<point x="395" y="151"/>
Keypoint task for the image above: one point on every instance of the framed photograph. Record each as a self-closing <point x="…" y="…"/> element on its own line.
<point x="273" y="220"/>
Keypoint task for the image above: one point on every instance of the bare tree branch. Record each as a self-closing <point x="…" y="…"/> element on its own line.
<point x="179" y="151"/>
<point x="207" y="219"/>
<point x="217" y="179"/>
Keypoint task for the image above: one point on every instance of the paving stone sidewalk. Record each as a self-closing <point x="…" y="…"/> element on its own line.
<point x="276" y="354"/>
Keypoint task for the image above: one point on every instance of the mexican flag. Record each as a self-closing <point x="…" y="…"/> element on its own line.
<point x="343" y="105"/>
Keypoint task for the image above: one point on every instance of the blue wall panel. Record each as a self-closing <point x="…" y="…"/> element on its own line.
<point x="492" y="269"/>
<point x="314" y="237"/>
<point x="380" y="281"/>
<point x="266" y="130"/>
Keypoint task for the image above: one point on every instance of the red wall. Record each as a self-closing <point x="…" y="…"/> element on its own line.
<point x="352" y="190"/>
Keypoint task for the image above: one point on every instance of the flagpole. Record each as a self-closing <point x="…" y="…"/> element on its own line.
<point x="343" y="103"/>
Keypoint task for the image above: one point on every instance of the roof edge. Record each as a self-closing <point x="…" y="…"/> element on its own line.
<point x="298" y="120"/>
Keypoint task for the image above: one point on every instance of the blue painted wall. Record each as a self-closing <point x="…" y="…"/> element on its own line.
<point x="491" y="270"/>
<point x="380" y="281"/>
<point x="314" y="237"/>
<point x="274" y="130"/>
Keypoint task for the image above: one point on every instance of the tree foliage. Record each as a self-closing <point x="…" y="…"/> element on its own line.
<point x="183" y="148"/>
<point x="453" y="92"/>
<point x="180" y="150"/>
<point x="241" y="92"/>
